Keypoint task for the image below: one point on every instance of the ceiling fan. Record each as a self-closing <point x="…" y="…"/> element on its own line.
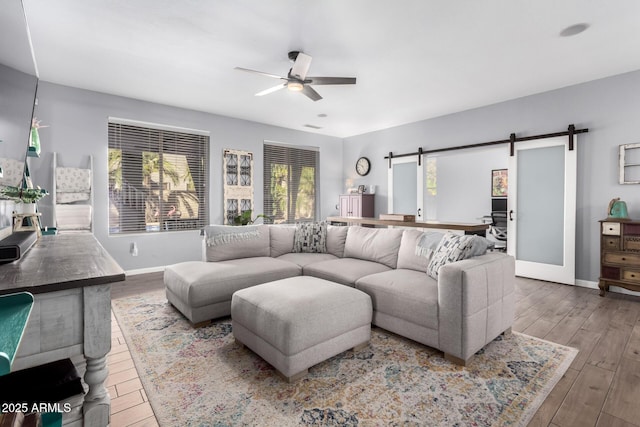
<point x="297" y="80"/>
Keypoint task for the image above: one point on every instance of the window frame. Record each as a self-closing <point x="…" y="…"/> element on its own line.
<point x="307" y="156"/>
<point x="133" y="197"/>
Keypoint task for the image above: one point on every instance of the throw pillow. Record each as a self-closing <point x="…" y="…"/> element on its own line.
<point x="310" y="237"/>
<point x="452" y="247"/>
<point x="480" y="245"/>
<point x="428" y="243"/>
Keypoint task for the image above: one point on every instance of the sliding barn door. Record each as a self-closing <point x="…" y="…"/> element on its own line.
<point x="405" y="184"/>
<point x="542" y="209"/>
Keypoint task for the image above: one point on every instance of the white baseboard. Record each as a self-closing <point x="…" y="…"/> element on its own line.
<point x="144" y="270"/>
<point x="594" y="285"/>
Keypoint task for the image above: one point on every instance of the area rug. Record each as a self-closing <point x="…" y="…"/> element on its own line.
<point x="201" y="377"/>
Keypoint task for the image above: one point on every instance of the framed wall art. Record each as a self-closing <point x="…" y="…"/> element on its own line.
<point x="499" y="183"/>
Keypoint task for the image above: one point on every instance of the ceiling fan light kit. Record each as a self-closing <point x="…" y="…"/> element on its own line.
<point x="297" y="80"/>
<point x="295" y="86"/>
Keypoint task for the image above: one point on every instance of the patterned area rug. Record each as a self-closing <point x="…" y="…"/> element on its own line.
<point x="201" y="377"/>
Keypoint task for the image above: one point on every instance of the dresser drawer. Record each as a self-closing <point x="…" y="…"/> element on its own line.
<point x="632" y="229"/>
<point x="632" y="243"/>
<point x="611" y="228"/>
<point x="620" y="258"/>
<point x="610" y="243"/>
<point x="631" y="275"/>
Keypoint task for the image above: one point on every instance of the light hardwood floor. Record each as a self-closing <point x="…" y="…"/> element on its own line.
<point x="601" y="388"/>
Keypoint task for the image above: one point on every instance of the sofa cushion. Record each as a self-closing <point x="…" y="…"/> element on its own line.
<point x="310" y="237"/>
<point x="373" y="244"/>
<point x="200" y="283"/>
<point x="343" y="270"/>
<point x="408" y="294"/>
<point x="303" y="259"/>
<point x="227" y="242"/>
<point x="281" y="237"/>
<point x="452" y="248"/>
<point x="407" y="257"/>
<point x="336" y="237"/>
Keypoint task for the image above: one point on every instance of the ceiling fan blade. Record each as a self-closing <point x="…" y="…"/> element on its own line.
<point x="331" y="80"/>
<point x="259" y="72"/>
<point x="311" y="93"/>
<point x="301" y="66"/>
<point x="271" y="90"/>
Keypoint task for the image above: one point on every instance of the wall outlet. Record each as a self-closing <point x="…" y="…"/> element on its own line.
<point x="133" y="249"/>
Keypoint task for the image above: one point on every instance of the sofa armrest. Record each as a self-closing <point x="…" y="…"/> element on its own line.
<point x="476" y="302"/>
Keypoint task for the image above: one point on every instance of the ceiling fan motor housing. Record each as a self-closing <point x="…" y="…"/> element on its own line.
<point x="293" y="55"/>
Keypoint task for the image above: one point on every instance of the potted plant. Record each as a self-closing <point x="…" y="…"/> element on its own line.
<point x="245" y="218"/>
<point x="25" y="198"/>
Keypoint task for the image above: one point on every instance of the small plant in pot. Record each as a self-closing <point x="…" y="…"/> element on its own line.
<point x="25" y="198"/>
<point x="245" y="218"/>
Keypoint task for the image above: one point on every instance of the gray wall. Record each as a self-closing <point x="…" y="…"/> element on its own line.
<point x="609" y="107"/>
<point x="78" y="128"/>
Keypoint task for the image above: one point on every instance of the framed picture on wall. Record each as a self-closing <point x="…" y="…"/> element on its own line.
<point x="499" y="183"/>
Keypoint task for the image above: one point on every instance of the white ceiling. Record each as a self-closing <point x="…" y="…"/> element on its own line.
<point x="414" y="59"/>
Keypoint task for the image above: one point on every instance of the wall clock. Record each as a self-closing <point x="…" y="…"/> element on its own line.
<point x="363" y="166"/>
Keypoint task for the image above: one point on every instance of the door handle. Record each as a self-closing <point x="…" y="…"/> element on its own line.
<point x="511" y="215"/>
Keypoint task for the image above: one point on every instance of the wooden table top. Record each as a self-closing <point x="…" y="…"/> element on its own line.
<point x="419" y="224"/>
<point x="59" y="262"/>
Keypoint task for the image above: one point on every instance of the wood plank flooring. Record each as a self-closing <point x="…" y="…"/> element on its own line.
<point x="601" y="388"/>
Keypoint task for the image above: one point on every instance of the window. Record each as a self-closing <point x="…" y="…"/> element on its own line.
<point x="157" y="178"/>
<point x="290" y="183"/>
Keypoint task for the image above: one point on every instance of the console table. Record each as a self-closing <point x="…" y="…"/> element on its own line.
<point x="468" y="228"/>
<point x="70" y="277"/>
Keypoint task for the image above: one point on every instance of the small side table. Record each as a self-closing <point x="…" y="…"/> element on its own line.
<point x="33" y="220"/>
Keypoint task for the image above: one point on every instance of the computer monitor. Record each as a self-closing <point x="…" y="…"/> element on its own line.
<point x="499" y="204"/>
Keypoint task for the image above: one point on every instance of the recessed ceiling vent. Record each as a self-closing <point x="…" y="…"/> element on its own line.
<point x="313" y="126"/>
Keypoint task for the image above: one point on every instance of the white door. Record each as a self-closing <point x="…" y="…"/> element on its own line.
<point x="405" y="186"/>
<point x="542" y="209"/>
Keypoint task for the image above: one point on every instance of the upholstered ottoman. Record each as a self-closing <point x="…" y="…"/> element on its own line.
<point x="298" y="322"/>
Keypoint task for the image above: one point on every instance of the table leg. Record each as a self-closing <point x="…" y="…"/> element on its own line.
<point x="97" y="343"/>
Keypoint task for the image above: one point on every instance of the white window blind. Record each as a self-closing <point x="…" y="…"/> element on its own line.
<point x="157" y="179"/>
<point x="291" y="183"/>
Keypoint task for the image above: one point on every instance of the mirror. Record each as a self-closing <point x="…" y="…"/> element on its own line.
<point x="18" y="85"/>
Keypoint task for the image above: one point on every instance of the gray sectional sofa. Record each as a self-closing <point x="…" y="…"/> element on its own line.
<point x="469" y="304"/>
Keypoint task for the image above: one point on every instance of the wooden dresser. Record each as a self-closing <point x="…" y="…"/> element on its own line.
<point x="619" y="254"/>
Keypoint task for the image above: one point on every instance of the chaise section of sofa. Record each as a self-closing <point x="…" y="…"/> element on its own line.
<point x="202" y="290"/>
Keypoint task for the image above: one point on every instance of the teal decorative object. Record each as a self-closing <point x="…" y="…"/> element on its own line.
<point x="618" y="209"/>
<point x="14" y="314"/>
<point x="34" y="141"/>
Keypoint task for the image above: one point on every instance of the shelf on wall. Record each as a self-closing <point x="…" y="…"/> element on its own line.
<point x="31" y="152"/>
<point x="14" y="315"/>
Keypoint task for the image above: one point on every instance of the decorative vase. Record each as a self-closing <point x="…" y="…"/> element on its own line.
<point x="25" y="208"/>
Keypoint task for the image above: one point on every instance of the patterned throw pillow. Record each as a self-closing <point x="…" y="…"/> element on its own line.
<point x="452" y="247"/>
<point x="310" y="237"/>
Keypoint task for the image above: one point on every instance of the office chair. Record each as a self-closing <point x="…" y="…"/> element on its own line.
<point x="499" y="229"/>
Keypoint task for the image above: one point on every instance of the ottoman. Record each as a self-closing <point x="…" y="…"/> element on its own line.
<point x="298" y="322"/>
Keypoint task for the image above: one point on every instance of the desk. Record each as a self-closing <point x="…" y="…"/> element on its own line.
<point x="468" y="228"/>
<point x="70" y="278"/>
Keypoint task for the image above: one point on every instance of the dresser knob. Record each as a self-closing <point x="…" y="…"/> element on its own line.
<point x="624" y="259"/>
